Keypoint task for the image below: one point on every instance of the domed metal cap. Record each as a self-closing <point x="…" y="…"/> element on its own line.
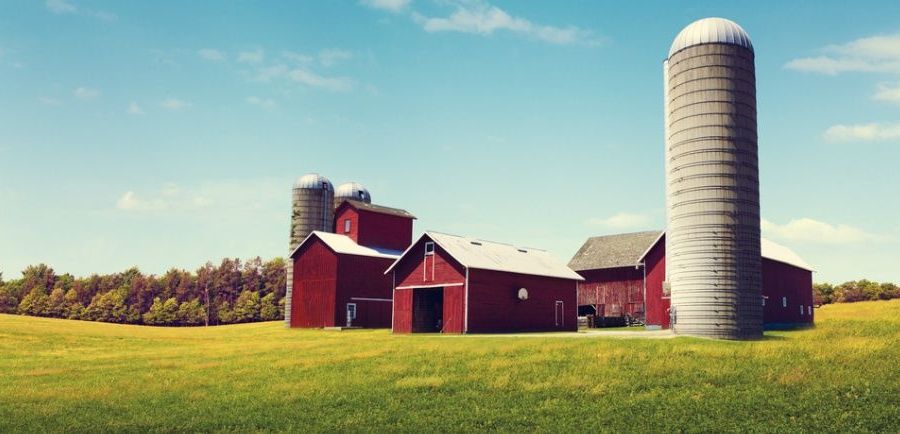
<point x="711" y="31"/>
<point x="352" y="191"/>
<point x="313" y="181"/>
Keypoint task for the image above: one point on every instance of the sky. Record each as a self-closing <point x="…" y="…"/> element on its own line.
<point x="168" y="134"/>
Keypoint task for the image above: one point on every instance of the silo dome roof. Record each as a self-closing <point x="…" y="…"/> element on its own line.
<point x="711" y="31"/>
<point x="313" y="181"/>
<point x="353" y="190"/>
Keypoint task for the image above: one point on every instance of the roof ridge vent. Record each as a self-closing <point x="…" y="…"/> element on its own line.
<point x="477" y="243"/>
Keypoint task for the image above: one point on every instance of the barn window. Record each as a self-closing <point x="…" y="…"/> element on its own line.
<point x="764" y="300"/>
<point x="783" y="301"/>
<point x="429" y="248"/>
<point x="347" y="226"/>
<point x="809" y="310"/>
<point x="801" y="310"/>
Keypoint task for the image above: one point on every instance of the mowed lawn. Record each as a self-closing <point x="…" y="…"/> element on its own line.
<point x="60" y="375"/>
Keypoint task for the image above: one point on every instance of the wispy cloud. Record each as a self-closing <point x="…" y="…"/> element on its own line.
<point x="395" y="6"/>
<point x="879" y="54"/>
<point x="333" y="56"/>
<point x="169" y="197"/>
<point x="85" y="93"/>
<point x="48" y="101"/>
<point x="174" y="104"/>
<point x="888" y="93"/>
<point x="814" y="231"/>
<point x="311" y="79"/>
<point x="252" y="56"/>
<point x="211" y="54"/>
<point x="482" y="18"/>
<point x="66" y="7"/>
<point x="862" y="132"/>
<point x="266" y="103"/>
<point x="134" y="109"/>
<point x="622" y="220"/>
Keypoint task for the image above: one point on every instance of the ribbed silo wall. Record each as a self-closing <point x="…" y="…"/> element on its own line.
<point x="312" y="209"/>
<point x="712" y="178"/>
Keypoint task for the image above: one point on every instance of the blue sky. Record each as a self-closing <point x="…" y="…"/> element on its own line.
<point x="164" y="134"/>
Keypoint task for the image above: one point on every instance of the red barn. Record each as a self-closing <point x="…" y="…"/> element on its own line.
<point x="339" y="279"/>
<point x="622" y="271"/>
<point x="451" y="284"/>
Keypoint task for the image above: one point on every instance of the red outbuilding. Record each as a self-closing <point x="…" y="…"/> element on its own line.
<point x="452" y="284"/>
<point x="339" y="279"/>
<point x="622" y="271"/>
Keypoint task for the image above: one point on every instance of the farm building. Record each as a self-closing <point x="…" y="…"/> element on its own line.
<point x="338" y="278"/>
<point x="622" y="271"/>
<point x="452" y="284"/>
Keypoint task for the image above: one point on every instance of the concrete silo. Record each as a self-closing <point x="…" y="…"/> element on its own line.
<point x="312" y="209"/>
<point x="351" y="191"/>
<point x="712" y="182"/>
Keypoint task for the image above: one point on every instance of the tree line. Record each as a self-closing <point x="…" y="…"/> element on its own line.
<point x="854" y="290"/>
<point x="232" y="292"/>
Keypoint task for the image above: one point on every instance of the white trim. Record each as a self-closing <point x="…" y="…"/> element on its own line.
<point x="393" y="291"/>
<point x="371" y="299"/>
<point x="440" y="285"/>
<point x="646" y="252"/>
<point x="466" y="304"/>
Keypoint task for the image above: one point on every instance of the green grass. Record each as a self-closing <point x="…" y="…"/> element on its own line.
<point x="60" y="375"/>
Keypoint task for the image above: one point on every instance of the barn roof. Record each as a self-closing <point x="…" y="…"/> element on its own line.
<point x="345" y="245"/>
<point x="377" y="208"/>
<point x="626" y="250"/>
<point x="612" y="251"/>
<point x="490" y="255"/>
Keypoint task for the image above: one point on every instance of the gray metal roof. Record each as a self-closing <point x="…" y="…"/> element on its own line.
<point x="378" y="208"/>
<point x="611" y="251"/>
<point x="352" y="190"/>
<point x="711" y="31"/>
<point x="313" y="181"/>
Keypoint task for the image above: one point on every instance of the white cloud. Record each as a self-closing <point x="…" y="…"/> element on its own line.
<point x="86" y="93"/>
<point x="814" y="231"/>
<point x="333" y="56"/>
<point x="879" y="54"/>
<point x="130" y="201"/>
<point x="266" y="103"/>
<point x="479" y="17"/>
<point x="170" y="197"/>
<point x="888" y="93"/>
<point x="134" y="109"/>
<point x="311" y="79"/>
<point x="387" y="5"/>
<point x="52" y="102"/>
<point x="297" y="57"/>
<point x="174" y="104"/>
<point x="862" y="132"/>
<point x="61" y="7"/>
<point x="211" y="54"/>
<point x="255" y="56"/>
<point x="622" y="220"/>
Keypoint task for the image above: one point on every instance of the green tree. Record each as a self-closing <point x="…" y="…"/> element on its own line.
<point x="35" y="303"/>
<point x="268" y="310"/>
<point x="225" y="313"/>
<point x="56" y="303"/>
<point x="191" y="313"/>
<point x="8" y="302"/>
<point x="246" y="307"/>
<point x="73" y="307"/>
<point x="108" y="307"/>
<point x="162" y="312"/>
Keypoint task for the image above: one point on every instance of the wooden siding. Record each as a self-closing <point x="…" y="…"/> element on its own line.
<point x="494" y="305"/>
<point x="657" y="302"/>
<point x="402" y="322"/>
<point x="384" y="230"/>
<point x="315" y="282"/>
<point x="345" y="213"/>
<point x="614" y="292"/>
<point x="415" y="270"/>
<point x="783" y="280"/>
<point x="363" y="277"/>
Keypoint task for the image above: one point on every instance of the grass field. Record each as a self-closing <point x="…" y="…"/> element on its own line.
<point x="60" y="375"/>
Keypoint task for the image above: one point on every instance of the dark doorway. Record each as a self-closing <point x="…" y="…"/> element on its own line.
<point x="428" y="310"/>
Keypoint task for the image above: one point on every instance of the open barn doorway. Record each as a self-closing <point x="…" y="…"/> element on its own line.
<point x="428" y="310"/>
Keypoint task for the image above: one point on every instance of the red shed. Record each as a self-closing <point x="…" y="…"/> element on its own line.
<point x="452" y="284"/>
<point x="622" y="271"/>
<point x="374" y="225"/>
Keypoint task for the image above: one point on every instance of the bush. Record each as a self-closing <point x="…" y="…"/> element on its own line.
<point x="191" y="313"/>
<point x="268" y="311"/>
<point x="246" y="307"/>
<point x="162" y="313"/>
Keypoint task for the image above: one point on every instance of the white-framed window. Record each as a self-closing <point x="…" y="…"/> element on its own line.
<point x="351" y="311"/>
<point x="429" y="248"/>
<point x="346" y="226"/>
<point x="809" y="310"/>
<point x="801" y="310"/>
<point x="764" y="300"/>
<point x="783" y="301"/>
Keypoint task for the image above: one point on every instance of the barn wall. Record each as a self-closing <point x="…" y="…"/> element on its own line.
<point x="363" y="277"/>
<point x="613" y="291"/>
<point x="346" y="212"/>
<point x="783" y="280"/>
<point x="384" y="230"/>
<point x="657" y="302"/>
<point x="416" y="269"/>
<point x="402" y="322"/>
<point x="314" y="286"/>
<point x="454" y="309"/>
<point x="494" y="305"/>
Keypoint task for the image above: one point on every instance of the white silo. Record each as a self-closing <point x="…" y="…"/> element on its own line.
<point x="712" y="182"/>
<point x="312" y="200"/>
<point x="351" y="191"/>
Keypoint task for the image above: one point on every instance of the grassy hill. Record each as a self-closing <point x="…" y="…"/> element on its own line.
<point x="80" y="376"/>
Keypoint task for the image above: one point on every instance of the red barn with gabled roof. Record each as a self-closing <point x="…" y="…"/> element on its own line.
<point x="451" y="284"/>
<point x="622" y="271"/>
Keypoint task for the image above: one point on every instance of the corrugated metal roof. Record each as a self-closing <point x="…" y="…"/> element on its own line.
<point x="612" y="251"/>
<point x="353" y="191"/>
<point x="313" y="181"/>
<point x="490" y="255"/>
<point x="378" y="208"/>
<point x="711" y="31"/>
<point x="628" y="250"/>
<point x="345" y="245"/>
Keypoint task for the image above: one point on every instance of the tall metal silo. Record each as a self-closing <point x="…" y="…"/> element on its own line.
<point x="351" y="191"/>
<point x="312" y="209"/>
<point x="712" y="182"/>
